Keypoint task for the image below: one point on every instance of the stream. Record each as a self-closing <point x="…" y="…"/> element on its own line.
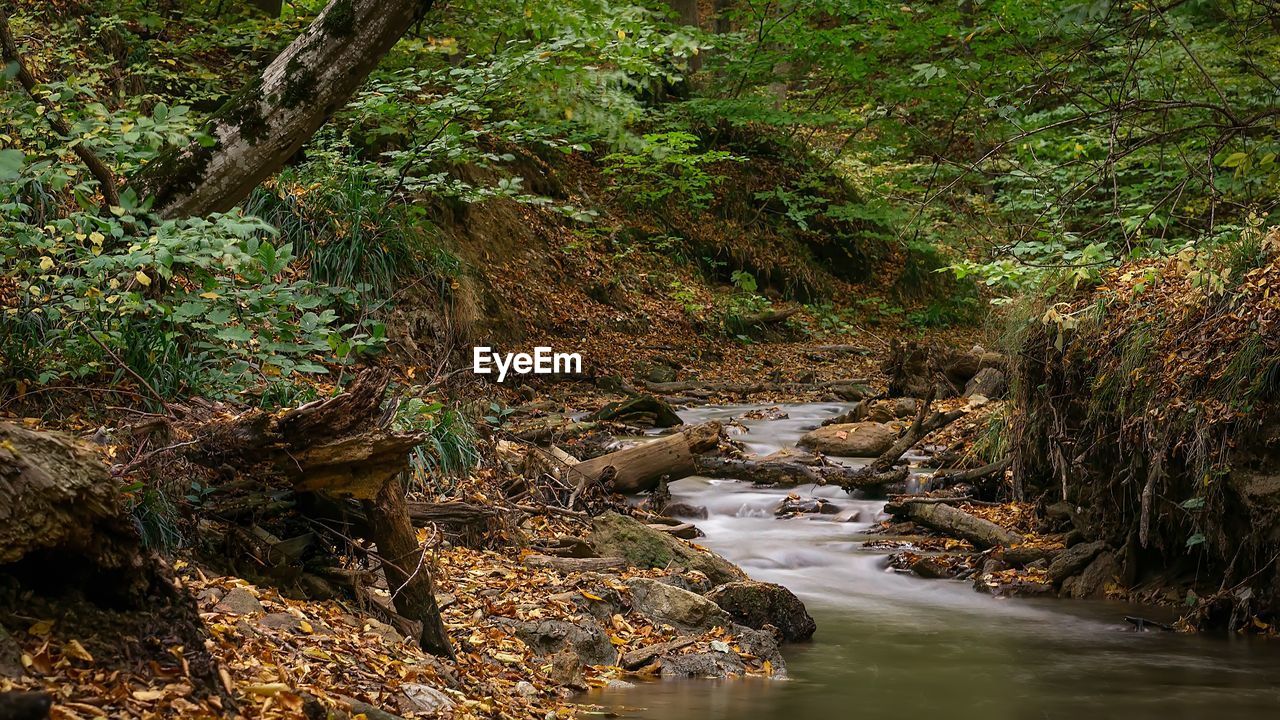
<point x="893" y="644"/>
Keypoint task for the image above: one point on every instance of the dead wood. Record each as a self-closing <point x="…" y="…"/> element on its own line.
<point x="641" y="467"/>
<point x="955" y="522"/>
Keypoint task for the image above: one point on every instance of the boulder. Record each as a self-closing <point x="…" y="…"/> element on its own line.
<point x="281" y="621"/>
<point x="675" y="606"/>
<point x="859" y="439"/>
<point x="1092" y="583"/>
<point x="614" y="535"/>
<point x="763" y="644"/>
<point x="645" y="410"/>
<point x="932" y="568"/>
<point x="685" y="510"/>
<point x="989" y="382"/>
<point x="703" y="665"/>
<point x="759" y="604"/>
<point x="423" y="699"/>
<point x="238" y="601"/>
<point x="793" y="505"/>
<point x="1074" y="559"/>
<point x="584" y="638"/>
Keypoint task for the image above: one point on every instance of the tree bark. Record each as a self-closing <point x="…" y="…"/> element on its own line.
<point x="957" y="523"/>
<point x="642" y="467"/>
<point x="260" y="129"/>
<point x="404" y="563"/>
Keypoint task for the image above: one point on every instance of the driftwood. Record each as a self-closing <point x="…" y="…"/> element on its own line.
<point x="643" y="656"/>
<point x="791" y="472"/>
<point x="641" y="467"/>
<point x="883" y="470"/>
<point x="955" y="522"/>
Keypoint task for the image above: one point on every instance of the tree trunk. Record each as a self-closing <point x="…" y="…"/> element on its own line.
<point x="58" y="502"/>
<point x="404" y="563"/>
<point x="260" y="129"/>
<point x="642" y="467"/>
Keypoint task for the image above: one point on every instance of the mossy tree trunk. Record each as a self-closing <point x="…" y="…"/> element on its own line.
<point x="259" y="130"/>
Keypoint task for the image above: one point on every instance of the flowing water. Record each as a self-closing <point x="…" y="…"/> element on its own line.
<point x="892" y="645"/>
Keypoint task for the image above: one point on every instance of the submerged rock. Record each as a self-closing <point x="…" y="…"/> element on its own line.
<point x="615" y="535"/>
<point x="675" y="606"/>
<point x="860" y="439"/>
<point x="703" y="665"/>
<point x="760" y="604"/>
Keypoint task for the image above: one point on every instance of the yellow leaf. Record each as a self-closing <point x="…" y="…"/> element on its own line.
<point x="76" y="650"/>
<point x="266" y="688"/>
<point x="147" y="695"/>
<point x="142" y="278"/>
<point x="210" y="295"/>
<point x="622" y="34"/>
<point x="589" y="596"/>
<point x="507" y="657"/>
<point x="41" y="628"/>
<point x="305" y="627"/>
<point x="97" y="238"/>
<point x="46" y="263"/>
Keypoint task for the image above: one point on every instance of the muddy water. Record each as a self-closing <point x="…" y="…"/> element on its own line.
<point x="890" y="645"/>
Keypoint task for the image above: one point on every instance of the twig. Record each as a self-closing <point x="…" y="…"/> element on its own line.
<point x="124" y="366"/>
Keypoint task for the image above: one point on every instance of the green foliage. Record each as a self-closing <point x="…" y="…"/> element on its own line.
<point x="184" y="304"/>
<point x="449" y="450"/>
<point x="667" y="165"/>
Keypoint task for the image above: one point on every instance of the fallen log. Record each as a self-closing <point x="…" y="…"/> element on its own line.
<point x="63" y="527"/>
<point x="882" y="470"/>
<point x="643" y="656"/>
<point x="792" y="472"/>
<point x="955" y="522"/>
<point x="641" y="467"/>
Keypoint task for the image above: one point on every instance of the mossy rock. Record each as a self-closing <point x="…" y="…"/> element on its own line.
<point x="615" y="535"/>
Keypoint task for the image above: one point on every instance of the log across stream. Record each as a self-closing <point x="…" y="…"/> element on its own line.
<point x="893" y="645"/>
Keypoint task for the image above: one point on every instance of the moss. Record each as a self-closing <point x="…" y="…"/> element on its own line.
<point x="175" y="173"/>
<point x="340" y="20"/>
<point x="299" y="83"/>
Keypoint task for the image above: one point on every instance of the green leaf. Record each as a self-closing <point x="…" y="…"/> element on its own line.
<point x="11" y="162"/>
<point x="1194" y="540"/>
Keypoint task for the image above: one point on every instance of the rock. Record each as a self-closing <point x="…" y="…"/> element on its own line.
<point x="860" y="439"/>
<point x="644" y="410"/>
<point x="524" y="688"/>
<point x="419" y="698"/>
<point x="616" y="684"/>
<point x="281" y="621"/>
<point x="989" y="382"/>
<point x="1024" y="555"/>
<point x="1074" y="559"/>
<point x="614" y="535"/>
<point x="703" y="665"/>
<point x="932" y="568"/>
<point x="1092" y="583"/>
<point x="586" y="639"/>
<point x="685" y="510"/>
<point x="661" y="374"/>
<point x="883" y="411"/>
<point x="759" y="604"/>
<point x="849" y="393"/>
<point x="762" y="643"/>
<point x="566" y="670"/>
<point x="794" y="505"/>
<point x="675" y="606"/>
<point x="239" y="601"/>
<point x="10" y="656"/>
